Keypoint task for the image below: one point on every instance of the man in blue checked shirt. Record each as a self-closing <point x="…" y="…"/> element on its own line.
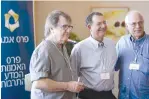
<point x="133" y="59"/>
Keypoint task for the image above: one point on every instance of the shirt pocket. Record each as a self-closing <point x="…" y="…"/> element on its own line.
<point x="144" y="66"/>
<point x="90" y="62"/>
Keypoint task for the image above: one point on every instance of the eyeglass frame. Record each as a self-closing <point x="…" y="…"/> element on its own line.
<point x="134" y="24"/>
<point x="65" y="27"/>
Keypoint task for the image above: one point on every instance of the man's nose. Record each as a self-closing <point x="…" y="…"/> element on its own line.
<point x="103" y="25"/>
<point x="138" y="25"/>
<point x="68" y="30"/>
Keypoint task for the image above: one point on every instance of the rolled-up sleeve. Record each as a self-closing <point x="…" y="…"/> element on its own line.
<point x="75" y="62"/>
<point x="40" y="66"/>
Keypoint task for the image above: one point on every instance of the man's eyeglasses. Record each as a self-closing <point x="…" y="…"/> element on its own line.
<point x="65" y="27"/>
<point x="134" y="24"/>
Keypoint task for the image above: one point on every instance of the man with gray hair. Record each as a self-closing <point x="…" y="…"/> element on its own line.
<point x="51" y="73"/>
<point x="133" y="59"/>
<point x="94" y="59"/>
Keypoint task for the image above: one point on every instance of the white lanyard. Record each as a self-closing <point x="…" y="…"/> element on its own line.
<point x="138" y="50"/>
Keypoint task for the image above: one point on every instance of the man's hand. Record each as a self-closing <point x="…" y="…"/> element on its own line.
<point x="74" y="86"/>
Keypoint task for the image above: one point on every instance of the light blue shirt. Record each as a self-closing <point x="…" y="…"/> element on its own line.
<point x="90" y="59"/>
<point x="133" y="84"/>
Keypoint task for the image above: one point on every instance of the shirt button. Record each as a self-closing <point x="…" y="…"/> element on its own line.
<point x="128" y="78"/>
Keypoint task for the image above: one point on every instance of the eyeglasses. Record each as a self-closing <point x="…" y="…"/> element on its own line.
<point x="65" y="27"/>
<point x="134" y="24"/>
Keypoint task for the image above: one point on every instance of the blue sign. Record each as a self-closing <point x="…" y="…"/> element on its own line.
<point x="17" y="45"/>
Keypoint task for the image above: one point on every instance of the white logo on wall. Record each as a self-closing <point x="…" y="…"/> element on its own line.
<point x="15" y="16"/>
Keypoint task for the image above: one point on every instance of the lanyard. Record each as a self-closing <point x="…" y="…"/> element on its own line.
<point x="138" y="50"/>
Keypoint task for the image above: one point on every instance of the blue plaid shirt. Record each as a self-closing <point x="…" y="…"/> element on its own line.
<point x="133" y="84"/>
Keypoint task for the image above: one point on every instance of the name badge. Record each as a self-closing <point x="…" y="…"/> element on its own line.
<point x="134" y="66"/>
<point x="105" y="75"/>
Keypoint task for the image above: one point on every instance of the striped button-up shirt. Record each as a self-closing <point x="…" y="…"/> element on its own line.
<point x="90" y="59"/>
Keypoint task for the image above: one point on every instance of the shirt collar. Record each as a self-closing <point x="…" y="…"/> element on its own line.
<point x="96" y="43"/>
<point x="138" y="40"/>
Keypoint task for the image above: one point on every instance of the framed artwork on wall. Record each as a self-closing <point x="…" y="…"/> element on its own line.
<point x="115" y="17"/>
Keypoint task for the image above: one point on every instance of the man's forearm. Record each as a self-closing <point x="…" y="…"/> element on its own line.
<point x="49" y="85"/>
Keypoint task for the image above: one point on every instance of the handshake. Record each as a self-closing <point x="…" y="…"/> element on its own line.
<point x="74" y="86"/>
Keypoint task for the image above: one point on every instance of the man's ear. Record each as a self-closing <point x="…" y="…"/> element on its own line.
<point x="89" y="26"/>
<point x="126" y="26"/>
<point x="51" y="28"/>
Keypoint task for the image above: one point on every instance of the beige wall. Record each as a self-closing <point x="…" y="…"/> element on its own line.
<point x="78" y="11"/>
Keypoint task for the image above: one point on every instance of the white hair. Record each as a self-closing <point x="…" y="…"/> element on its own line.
<point x="130" y="13"/>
